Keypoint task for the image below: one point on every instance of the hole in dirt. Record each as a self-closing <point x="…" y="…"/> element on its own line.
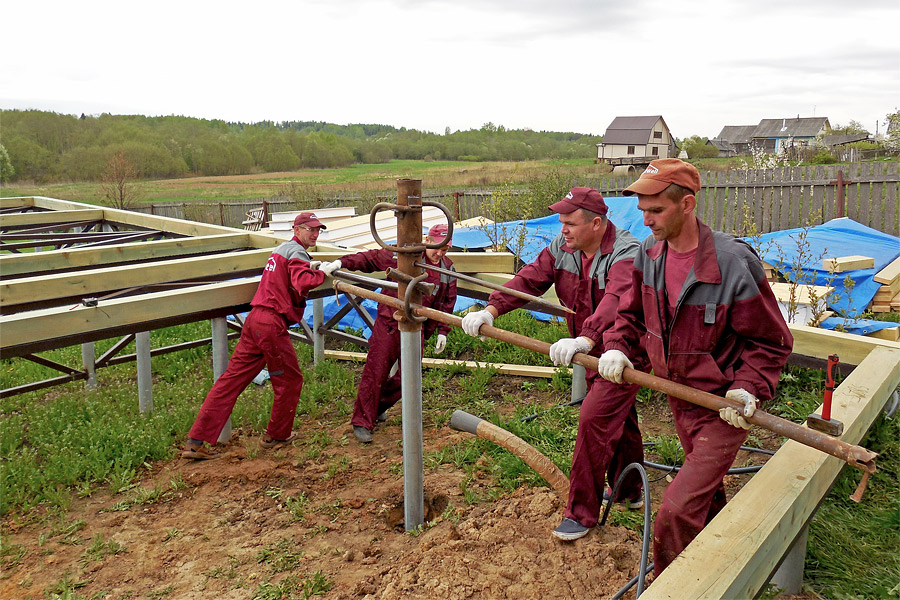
<point x="435" y="505"/>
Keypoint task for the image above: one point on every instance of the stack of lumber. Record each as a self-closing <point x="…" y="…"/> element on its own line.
<point x="842" y="264"/>
<point x="809" y="302"/>
<point x="355" y="232"/>
<point x="887" y="298"/>
<point x="281" y="224"/>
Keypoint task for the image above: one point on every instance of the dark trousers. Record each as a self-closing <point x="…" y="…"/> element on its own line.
<point x="608" y="440"/>
<point x="264" y="342"/>
<point x="377" y="391"/>
<point x="697" y="493"/>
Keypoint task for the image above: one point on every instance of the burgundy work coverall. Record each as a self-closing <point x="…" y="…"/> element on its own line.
<point x="608" y="438"/>
<point x="377" y="390"/>
<point x="726" y="333"/>
<point x="278" y="303"/>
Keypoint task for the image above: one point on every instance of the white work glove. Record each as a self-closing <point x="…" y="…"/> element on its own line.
<point x="330" y="267"/>
<point x="473" y="321"/>
<point x="315" y="264"/>
<point x="611" y="365"/>
<point x="733" y="416"/>
<point x="562" y="351"/>
<point x="440" y="344"/>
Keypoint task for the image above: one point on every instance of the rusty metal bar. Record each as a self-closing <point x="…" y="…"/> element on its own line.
<point x="855" y="456"/>
<point x="496" y="287"/>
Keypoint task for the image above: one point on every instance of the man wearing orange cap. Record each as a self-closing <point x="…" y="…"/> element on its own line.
<point x="700" y="301"/>
<point x="378" y="388"/>
<point x="590" y="262"/>
<point x="278" y="303"/>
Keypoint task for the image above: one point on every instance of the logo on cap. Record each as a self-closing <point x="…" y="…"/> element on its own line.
<point x="651" y="170"/>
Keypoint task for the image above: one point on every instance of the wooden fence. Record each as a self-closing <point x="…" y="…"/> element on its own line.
<point x="735" y="201"/>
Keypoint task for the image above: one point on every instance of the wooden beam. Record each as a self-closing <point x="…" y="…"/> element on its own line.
<point x="464" y="262"/>
<point x="67" y="258"/>
<point x="23" y="329"/>
<point x="890" y="273"/>
<point x="843" y="264"/>
<point x="502" y="368"/>
<point x="734" y="556"/>
<point x="16" y="202"/>
<point x="819" y="343"/>
<point x="30" y="219"/>
<point x="96" y="281"/>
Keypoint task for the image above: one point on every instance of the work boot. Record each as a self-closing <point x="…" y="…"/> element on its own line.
<point x="570" y="530"/>
<point x="630" y="504"/>
<point x="381" y="418"/>
<point x="363" y="435"/>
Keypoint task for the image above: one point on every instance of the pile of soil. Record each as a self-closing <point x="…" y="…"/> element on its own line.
<point x="234" y="527"/>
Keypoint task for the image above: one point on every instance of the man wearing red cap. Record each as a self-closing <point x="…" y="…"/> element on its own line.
<point x="378" y="388"/>
<point x="278" y="303"/>
<point x="590" y="262"/>
<point x="701" y="302"/>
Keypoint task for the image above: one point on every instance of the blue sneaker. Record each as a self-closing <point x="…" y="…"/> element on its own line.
<point x="629" y="504"/>
<point x="570" y="529"/>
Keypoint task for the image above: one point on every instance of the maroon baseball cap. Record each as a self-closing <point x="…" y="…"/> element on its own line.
<point x="438" y="232"/>
<point x="581" y="197"/>
<point x="309" y="219"/>
<point x="662" y="173"/>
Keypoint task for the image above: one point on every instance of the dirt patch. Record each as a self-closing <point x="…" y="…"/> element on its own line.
<point x="224" y="528"/>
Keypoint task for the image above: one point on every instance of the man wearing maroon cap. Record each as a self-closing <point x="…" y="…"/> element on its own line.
<point x="278" y="303"/>
<point x="590" y="262"/>
<point x="378" y="388"/>
<point x="701" y="303"/>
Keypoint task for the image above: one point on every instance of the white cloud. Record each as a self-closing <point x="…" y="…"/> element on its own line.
<point x="571" y="65"/>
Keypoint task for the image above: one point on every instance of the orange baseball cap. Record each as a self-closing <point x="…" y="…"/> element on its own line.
<point x="438" y="232"/>
<point x="662" y="173"/>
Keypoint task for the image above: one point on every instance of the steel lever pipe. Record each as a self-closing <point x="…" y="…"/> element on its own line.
<point x="855" y="456"/>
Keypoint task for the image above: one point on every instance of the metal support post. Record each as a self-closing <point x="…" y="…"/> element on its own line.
<point x="144" y="372"/>
<point x="88" y="360"/>
<point x="579" y="382"/>
<point x="789" y="576"/>
<point x="318" y="337"/>
<point x="220" y="362"/>
<point x="413" y="466"/>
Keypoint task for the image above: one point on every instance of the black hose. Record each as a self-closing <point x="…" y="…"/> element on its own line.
<point x="643" y="568"/>
<point x="731" y="471"/>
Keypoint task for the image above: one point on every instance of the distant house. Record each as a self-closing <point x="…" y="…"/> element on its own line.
<point x="636" y="140"/>
<point x="774" y="135"/>
<point x="842" y="139"/>
<point x="733" y="139"/>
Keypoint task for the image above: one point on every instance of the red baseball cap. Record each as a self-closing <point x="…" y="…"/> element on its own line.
<point x="581" y="197"/>
<point x="662" y="173"/>
<point x="309" y="219"/>
<point x="438" y="232"/>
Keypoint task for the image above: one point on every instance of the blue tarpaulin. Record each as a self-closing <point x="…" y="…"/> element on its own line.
<point x="834" y="239"/>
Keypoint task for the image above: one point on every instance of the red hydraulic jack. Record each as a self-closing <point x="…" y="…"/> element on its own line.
<point x="824" y="422"/>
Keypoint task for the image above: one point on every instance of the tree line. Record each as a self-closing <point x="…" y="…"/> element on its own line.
<point x="45" y="146"/>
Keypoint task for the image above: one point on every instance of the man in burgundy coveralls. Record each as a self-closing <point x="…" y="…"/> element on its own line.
<point x="711" y="322"/>
<point x="591" y="263"/>
<point x="378" y="389"/>
<point x="278" y="303"/>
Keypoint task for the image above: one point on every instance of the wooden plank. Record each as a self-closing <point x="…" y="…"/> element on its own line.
<point x="890" y="273"/>
<point x="464" y="262"/>
<point x="734" y="556"/>
<point x="97" y="281"/>
<point x="842" y="264"/>
<point x="17" y="202"/>
<point x="891" y="208"/>
<point x="890" y="333"/>
<point x="816" y="203"/>
<point x="861" y="194"/>
<point x="819" y="343"/>
<point x="784" y="199"/>
<point x="31" y="219"/>
<point x="502" y="368"/>
<point x="39" y="325"/>
<point x="31" y="262"/>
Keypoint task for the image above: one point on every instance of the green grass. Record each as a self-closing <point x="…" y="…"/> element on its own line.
<point x="68" y="441"/>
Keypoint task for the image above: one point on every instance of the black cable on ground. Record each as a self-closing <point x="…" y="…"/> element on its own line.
<point x="731" y="471"/>
<point x="643" y="568"/>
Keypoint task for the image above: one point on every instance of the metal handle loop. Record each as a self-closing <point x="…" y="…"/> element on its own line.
<point x="446" y="212"/>
<point x="407" y="299"/>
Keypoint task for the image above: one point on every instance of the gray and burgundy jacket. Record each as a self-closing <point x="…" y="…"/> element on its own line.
<point x="594" y="300"/>
<point x="287" y="280"/>
<point x="726" y="331"/>
<point x="443" y="299"/>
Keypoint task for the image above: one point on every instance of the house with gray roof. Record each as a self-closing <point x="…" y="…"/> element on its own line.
<point x="636" y="140"/>
<point x="775" y="135"/>
<point x="733" y="139"/>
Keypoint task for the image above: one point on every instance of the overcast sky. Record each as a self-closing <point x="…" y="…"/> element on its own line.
<point x="557" y="65"/>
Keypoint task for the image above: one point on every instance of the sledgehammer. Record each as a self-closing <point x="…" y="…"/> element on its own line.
<point x="824" y="422"/>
